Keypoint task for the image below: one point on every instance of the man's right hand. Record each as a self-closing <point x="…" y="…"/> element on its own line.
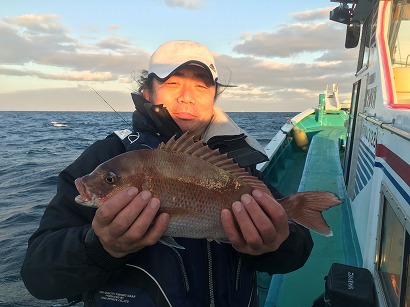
<point x="126" y="222"/>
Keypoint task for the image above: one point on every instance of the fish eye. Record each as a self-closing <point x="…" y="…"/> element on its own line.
<point x="110" y="178"/>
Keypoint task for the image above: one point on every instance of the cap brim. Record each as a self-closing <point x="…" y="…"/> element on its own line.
<point x="164" y="71"/>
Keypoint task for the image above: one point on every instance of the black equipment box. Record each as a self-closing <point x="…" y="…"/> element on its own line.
<point x="349" y="286"/>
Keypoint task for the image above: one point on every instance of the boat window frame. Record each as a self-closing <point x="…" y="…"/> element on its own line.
<point x="364" y="51"/>
<point x="396" y="17"/>
<point x="403" y="218"/>
<point x="400" y="63"/>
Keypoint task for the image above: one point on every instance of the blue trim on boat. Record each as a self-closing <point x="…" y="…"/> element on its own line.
<point x="365" y="152"/>
<point x="393" y="181"/>
<point x="370" y="153"/>
<point x="360" y="181"/>
<point x="361" y="171"/>
<point x="365" y="167"/>
<point x="367" y="157"/>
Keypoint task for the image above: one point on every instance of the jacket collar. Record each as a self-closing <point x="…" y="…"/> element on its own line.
<point x="222" y="126"/>
<point x="148" y="117"/>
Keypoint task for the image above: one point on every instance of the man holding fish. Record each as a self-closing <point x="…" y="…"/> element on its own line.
<point x="192" y="228"/>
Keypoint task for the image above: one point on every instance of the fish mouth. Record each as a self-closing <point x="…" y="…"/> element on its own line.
<point x="87" y="203"/>
<point x="86" y="198"/>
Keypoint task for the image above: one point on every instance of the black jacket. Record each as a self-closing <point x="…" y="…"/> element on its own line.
<point x="65" y="259"/>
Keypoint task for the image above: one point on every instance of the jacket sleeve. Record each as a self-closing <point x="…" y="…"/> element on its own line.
<point x="291" y="255"/>
<point x="63" y="259"/>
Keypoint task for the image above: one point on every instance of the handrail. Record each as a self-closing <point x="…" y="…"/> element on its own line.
<point x="397" y="131"/>
<point x="365" y="67"/>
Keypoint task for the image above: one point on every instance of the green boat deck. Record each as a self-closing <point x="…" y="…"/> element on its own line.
<point x="321" y="171"/>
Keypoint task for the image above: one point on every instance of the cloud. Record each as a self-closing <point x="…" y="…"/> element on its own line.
<point x="289" y="65"/>
<point x="310" y="15"/>
<point x="98" y="62"/>
<point x="49" y="45"/>
<point x="262" y="75"/>
<point x="25" y="44"/>
<point x="295" y="86"/>
<point x="69" y="76"/>
<point x="113" y="27"/>
<point x="13" y="72"/>
<point x="48" y="23"/>
<point x="186" y="4"/>
<point x="116" y="44"/>
<point x="291" y="40"/>
<point x="268" y="72"/>
<point x="81" y="76"/>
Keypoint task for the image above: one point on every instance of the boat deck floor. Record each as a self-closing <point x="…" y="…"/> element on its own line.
<point x="322" y="172"/>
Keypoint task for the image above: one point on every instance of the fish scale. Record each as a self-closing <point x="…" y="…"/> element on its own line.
<point x="194" y="184"/>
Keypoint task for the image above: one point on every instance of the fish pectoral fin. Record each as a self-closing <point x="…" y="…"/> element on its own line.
<point x="169" y="241"/>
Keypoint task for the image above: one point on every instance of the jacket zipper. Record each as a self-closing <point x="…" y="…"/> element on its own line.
<point x="238" y="274"/>
<point x="210" y="275"/>
<point x="183" y="270"/>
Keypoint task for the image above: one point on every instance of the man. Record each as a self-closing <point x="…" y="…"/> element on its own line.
<point x="112" y="255"/>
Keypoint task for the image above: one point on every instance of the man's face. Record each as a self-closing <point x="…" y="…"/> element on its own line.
<point x="189" y="96"/>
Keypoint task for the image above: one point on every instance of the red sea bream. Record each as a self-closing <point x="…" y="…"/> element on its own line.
<point x="193" y="184"/>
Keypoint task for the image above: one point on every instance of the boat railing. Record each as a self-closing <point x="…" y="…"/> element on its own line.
<point x="363" y="69"/>
<point x="276" y="144"/>
<point x="388" y="126"/>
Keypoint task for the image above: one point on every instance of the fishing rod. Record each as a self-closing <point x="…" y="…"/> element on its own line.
<point x="108" y="104"/>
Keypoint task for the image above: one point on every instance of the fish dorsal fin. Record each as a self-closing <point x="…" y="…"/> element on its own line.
<point x="186" y="145"/>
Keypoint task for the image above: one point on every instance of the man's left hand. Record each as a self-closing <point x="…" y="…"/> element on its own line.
<point x="261" y="224"/>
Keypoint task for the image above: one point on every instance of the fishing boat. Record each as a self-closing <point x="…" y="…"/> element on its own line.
<point x="58" y="124"/>
<point x="361" y="152"/>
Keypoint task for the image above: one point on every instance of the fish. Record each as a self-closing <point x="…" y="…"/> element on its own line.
<point x="194" y="184"/>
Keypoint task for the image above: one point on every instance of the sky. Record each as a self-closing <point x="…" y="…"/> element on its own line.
<point x="279" y="55"/>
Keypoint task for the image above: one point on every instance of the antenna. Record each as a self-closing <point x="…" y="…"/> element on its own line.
<point x="108" y="104"/>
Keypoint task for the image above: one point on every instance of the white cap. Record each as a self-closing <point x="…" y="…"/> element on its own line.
<point x="172" y="55"/>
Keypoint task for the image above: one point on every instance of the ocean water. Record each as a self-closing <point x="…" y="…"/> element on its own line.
<point x="34" y="151"/>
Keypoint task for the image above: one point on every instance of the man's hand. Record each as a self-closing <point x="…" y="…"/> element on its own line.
<point x="126" y="222"/>
<point x="262" y="224"/>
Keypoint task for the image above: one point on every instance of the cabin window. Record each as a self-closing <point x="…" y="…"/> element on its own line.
<point x="399" y="40"/>
<point x="393" y="256"/>
<point x="399" y="44"/>
<point x="365" y="43"/>
<point x="367" y="51"/>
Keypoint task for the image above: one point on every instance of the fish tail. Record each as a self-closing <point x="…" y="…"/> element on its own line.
<point x="305" y="208"/>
